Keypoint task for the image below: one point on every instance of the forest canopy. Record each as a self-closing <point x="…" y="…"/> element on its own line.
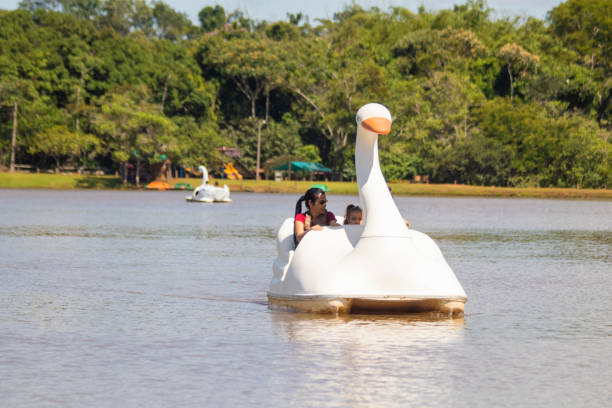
<point x="114" y="84"/>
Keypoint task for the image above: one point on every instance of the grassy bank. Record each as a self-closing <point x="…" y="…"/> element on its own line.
<point x="414" y="189"/>
<point x="73" y="181"/>
<point x="58" y="181"/>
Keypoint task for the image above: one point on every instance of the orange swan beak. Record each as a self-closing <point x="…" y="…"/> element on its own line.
<point x="382" y="126"/>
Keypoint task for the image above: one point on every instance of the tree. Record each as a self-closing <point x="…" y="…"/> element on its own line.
<point x="155" y="137"/>
<point x="518" y="62"/>
<point x="586" y="27"/>
<point x="83" y="62"/>
<point x="178" y="84"/>
<point x="32" y="5"/>
<point x="170" y="24"/>
<point x="252" y="62"/>
<point x="120" y="70"/>
<point x="84" y="9"/>
<point x="198" y="141"/>
<point x="59" y="142"/>
<point x="13" y="92"/>
<point x="309" y="153"/>
<point x="475" y="160"/>
<point x="399" y="165"/>
<point x="116" y="14"/>
<point x="331" y="88"/>
<point x="134" y="128"/>
<point x="142" y="19"/>
<point x="211" y="18"/>
<point x="451" y="99"/>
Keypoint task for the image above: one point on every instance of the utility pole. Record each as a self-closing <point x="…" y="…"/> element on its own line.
<point x="257" y="173"/>
<point x="13" y="139"/>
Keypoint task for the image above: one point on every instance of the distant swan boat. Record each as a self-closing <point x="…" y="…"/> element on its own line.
<point x="380" y="266"/>
<point x="206" y="193"/>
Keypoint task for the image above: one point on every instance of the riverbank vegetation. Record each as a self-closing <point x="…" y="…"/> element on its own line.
<point x="75" y="181"/>
<point x="131" y="87"/>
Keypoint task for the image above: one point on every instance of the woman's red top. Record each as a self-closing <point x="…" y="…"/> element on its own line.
<point x="330" y="217"/>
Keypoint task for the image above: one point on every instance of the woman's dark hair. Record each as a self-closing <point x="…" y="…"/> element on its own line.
<point x="349" y="209"/>
<point x="310" y="195"/>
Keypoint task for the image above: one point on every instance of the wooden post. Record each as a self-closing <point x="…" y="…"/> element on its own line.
<point x="289" y="169"/>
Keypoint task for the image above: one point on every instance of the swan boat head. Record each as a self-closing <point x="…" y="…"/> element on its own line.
<point x="375" y="118"/>
<point x="380" y="265"/>
<point x="204" y="172"/>
<point x="382" y="216"/>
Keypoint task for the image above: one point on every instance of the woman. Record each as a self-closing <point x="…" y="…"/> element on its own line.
<point x="317" y="215"/>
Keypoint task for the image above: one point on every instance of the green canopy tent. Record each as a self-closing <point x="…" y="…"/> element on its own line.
<point x="306" y="167"/>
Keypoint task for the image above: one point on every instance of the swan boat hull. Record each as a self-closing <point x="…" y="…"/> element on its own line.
<point x="420" y="281"/>
<point x="207" y="201"/>
<point x="387" y="304"/>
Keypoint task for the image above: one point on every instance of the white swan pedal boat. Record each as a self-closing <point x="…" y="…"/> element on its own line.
<point x="380" y="266"/>
<point x="205" y="193"/>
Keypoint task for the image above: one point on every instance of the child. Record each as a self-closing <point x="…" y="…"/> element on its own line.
<point x="353" y="215"/>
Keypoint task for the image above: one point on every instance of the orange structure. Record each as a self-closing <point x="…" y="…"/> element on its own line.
<point x="231" y="172"/>
<point x="159" y="185"/>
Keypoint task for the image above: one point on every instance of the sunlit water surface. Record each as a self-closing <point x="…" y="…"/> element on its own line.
<point x="139" y="299"/>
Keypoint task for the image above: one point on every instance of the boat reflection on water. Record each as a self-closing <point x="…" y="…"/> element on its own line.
<point x="370" y="329"/>
<point x="373" y="360"/>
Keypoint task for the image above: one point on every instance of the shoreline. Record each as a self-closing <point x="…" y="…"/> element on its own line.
<point x="86" y="182"/>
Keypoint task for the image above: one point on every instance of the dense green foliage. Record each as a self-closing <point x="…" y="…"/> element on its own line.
<point x="119" y="84"/>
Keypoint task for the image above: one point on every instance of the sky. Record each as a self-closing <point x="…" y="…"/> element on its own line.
<point x="274" y="10"/>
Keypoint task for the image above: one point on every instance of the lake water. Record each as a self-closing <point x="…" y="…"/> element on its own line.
<point x="139" y="299"/>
